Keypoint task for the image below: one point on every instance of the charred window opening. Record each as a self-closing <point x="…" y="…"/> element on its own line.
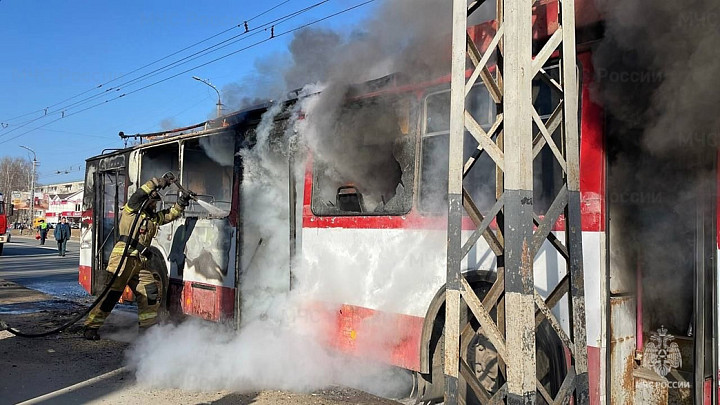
<point x="480" y="181"/>
<point x="208" y="171"/>
<point x="365" y="167"/>
<point x="157" y="161"/>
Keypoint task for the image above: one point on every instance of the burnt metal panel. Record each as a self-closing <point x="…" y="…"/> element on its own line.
<point x="622" y="349"/>
<point x="111" y="162"/>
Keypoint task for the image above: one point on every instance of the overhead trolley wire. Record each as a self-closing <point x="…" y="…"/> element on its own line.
<point x="273" y="36"/>
<point x="172" y="65"/>
<point x="6" y="121"/>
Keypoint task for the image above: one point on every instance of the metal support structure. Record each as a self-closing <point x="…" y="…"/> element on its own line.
<point x="512" y="309"/>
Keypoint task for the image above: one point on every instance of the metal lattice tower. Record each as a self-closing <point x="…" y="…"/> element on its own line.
<point x="513" y="142"/>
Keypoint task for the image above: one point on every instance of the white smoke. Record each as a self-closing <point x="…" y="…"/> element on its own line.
<point x="219" y="149"/>
<point x="264" y="355"/>
<point x="279" y="345"/>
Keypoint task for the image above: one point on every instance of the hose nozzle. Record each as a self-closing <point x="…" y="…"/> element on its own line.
<point x="192" y="195"/>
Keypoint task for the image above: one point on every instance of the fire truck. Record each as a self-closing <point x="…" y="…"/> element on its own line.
<point x="4" y="228"/>
<point x="365" y="232"/>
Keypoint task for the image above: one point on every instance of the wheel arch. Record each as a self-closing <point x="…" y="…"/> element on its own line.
<point x="474" y="278"/>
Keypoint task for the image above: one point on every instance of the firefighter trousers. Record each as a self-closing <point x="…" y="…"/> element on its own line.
<point x="146" y="286"/>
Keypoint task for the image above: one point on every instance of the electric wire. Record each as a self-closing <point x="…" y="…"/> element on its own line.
<point x="151" y="63"/>
<point x="181" y="61"/>
<point x="275" y="35"/>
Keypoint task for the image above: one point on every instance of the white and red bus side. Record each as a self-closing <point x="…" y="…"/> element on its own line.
<point x="376" y="278"/>
<point x="386" y="273"/>
<point x="195" y="255"/>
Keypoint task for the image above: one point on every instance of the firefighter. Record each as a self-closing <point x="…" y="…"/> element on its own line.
<point x="135" y="273"/>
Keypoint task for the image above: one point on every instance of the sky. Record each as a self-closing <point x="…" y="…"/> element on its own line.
<point x="56" y="54"/>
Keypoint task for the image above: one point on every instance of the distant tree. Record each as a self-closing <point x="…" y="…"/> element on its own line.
<point x="14" y="175"/>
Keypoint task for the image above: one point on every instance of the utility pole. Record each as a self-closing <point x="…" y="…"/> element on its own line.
<point x="32" y="186"/>
<point x="219" y="103"/>
<point x="512" y="309"/>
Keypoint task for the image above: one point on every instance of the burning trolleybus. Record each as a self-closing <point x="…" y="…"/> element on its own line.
<point x="367" y="226"/>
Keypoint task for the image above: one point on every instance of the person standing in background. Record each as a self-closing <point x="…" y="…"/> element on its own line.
<point x="62" y="234"/>
<point x="43" y="229"/>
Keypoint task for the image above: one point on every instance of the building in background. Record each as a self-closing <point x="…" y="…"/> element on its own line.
<point x="61" y="188"/>
<point x="61" y="200"/>
<point x="64" y="205"/>
<point x="51" y="202"/>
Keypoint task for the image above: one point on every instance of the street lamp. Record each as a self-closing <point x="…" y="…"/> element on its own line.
<point x="219" y="104"/>
<point x="32" y="186"/>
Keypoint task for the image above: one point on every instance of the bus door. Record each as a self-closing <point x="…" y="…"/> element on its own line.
<point x="110" y="192"/>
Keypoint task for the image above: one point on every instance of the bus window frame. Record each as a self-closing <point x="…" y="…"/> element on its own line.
<point x="141" y="178"/>
<point x="552" y="66"/>
<point x="424" y="134"/>
<point x="410" y="189"/>
<point x="202" y="213"/>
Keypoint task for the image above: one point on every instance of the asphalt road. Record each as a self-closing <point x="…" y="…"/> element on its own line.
<point x="39" y="290"/>
<point x="26" y="262"/>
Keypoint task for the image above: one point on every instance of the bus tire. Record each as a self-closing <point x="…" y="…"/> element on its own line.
<point x="550" y="356"/>
<point x="157" y="267"/>
<point x="1" y="248"/>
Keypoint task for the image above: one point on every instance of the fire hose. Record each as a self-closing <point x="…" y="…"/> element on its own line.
<point x="5" y="326"/>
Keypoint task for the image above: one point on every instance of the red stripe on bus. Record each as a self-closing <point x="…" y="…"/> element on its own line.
<point x="592" y="220"/>
<point x="385" y="337"/>
<point x="207" y="301"/>
<point x="593" y="168"/>
<point x="393" y="338"/>
<point x="85" y="277"/>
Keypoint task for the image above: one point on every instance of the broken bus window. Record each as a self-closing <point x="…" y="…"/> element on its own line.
<point x="365" y="165"/>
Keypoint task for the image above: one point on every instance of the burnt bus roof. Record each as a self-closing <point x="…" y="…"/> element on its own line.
<point x="246" y="117"/>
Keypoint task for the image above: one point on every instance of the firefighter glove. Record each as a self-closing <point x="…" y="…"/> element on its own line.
<point x="170" y="177"/>
<point x="161" y="182"/>
<point x="184" y="199"/>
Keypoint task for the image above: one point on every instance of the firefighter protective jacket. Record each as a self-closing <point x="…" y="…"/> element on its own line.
<point x="149" y="221"/>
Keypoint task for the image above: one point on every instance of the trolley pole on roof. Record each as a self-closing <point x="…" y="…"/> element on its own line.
<point x="510" y="311"/>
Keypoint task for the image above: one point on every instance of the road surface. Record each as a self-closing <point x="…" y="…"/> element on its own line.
<point x="39" y="290"/>
<point x="26" y="262"/>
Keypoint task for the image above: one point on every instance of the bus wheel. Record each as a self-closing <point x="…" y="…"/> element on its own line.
<point x="482" y="358"/>
<point x="156" y="265"/>
<point x="1" y="248"/>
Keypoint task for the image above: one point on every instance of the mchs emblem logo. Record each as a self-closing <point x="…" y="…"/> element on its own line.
<point x="661" y="353"/>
